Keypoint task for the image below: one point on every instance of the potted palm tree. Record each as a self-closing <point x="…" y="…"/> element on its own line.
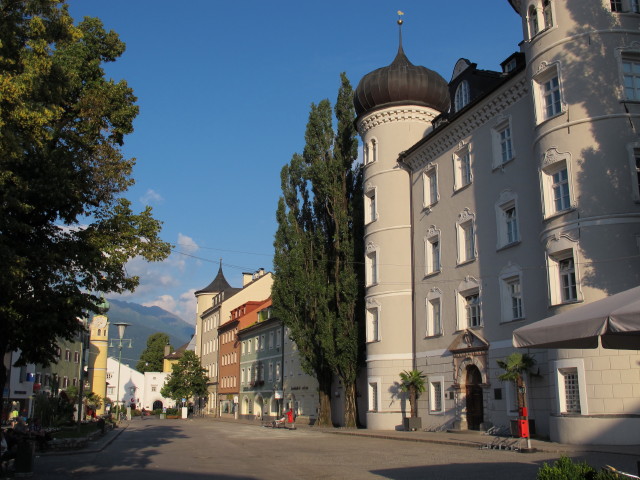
<point x="412" y="382"/>
<point x="516" y="366"/>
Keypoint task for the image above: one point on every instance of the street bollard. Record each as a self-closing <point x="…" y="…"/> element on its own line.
<point x="24" y="457"/>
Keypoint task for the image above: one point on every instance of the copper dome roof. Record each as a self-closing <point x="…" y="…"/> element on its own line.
<point x="401" y="83"/>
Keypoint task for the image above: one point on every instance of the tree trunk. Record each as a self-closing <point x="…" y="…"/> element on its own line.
<point x="3" y="374"/>
<point x="324" y="399"/>
<point x="412" y="402"/>
<point x="350" y="411"/>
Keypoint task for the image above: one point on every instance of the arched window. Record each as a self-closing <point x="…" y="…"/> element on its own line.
<point x="462" y="96"/>
<point x="546" y="12"/>
<point x="533" y="22"/>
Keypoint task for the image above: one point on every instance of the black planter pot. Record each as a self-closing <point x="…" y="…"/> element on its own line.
<point x="412" y="424"/>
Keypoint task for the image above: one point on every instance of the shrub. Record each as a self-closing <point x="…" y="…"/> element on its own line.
<point x="565" y="469"/>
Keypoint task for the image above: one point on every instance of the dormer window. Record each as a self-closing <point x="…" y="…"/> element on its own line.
<point x="462" y="96"/>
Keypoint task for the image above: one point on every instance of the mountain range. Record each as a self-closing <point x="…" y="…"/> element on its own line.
<point x="144" y="321"/>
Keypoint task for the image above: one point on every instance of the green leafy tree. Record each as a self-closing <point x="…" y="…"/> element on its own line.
<point x="318" y="282"/>
<point x="412" y="382"/>
<point x="65" y="228"/>
<point x="187" y="378"/>
<point x="151" y="359"/>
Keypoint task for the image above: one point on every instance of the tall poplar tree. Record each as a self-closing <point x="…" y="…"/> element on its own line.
<point x="318" y="283"/>
<point x="65" y="228"/>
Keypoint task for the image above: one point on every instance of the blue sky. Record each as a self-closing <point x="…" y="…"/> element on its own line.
<point x="224" y="91"/>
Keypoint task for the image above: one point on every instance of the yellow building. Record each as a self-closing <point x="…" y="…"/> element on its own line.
<point x="98" y="349"/>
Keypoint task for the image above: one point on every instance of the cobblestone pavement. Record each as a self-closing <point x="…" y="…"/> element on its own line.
<point x="205" y="448"/>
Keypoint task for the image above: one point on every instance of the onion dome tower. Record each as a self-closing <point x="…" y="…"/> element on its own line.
<point x="395" y="107"/>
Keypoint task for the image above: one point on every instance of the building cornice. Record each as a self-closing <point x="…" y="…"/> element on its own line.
<point x="396" y="114"/>
<point x="453" y="133"/>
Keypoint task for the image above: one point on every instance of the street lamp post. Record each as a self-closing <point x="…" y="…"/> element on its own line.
<point x="122" y="326"/>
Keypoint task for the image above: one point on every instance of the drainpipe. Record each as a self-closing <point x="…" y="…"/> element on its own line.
<point x="406" y="168"/>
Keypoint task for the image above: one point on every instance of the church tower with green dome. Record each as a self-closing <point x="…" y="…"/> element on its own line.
<point x="98" y="353"/>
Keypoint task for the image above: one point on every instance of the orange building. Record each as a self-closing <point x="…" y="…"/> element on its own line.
<point x="229" y="380"/>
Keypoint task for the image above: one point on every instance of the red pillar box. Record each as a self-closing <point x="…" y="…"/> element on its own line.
<point x="523" y="428"/>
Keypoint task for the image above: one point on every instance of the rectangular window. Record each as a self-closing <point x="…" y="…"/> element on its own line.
<point x="631" y="79"/>
<point x="76" y="357"/>
<point x="551" y="95"/>
<point x="434" y="321"/>
<point x="635" y="173"/>
<point x="506" y="147"/>
<point x="568" y="279"/>
<point x="435" y="396"/>
<point x="635" y="6"/>
<point x="462" y="168"/>
<point x="373" y="397"/>
<point x="270" y="371"/>
<point x="435" y="254"/>
<point x="465" y="166"/>
<point x="67" y="355"/>
<point x="511" y="221"/>
<point x="277" y="371"/>
<point x="278" y="335"/>
<point x="371" y="261"/>
<point x="507" y="220"/>
<point x="546" y="11"/>
<point x="468" y="239"/>
<point x="432" y="254"/>
<point x="372" y="325"/>
<point x="262" y="342"/>
<point x="472" y="307"/>
<point x="370" y="206"/>
<point x="560" y="187"/>
<point x="571" y="390"/>
<point x="515" y="295"/>
<point x="616" y="5"/>
<point x="430" y="186"/>
<point x="271" y="340"/>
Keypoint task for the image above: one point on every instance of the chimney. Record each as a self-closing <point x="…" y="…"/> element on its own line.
<point x="167" y="349"/>
<point x="246" y="278"/>
<point x="260" y="272"/>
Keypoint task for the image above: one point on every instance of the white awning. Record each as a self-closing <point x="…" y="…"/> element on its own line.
<point x="614" y="320"/>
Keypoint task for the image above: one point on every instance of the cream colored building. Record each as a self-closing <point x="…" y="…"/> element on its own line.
<point x="214" y="305"/>
<point x="98" y="353"/>
<point x="497" y="199"/>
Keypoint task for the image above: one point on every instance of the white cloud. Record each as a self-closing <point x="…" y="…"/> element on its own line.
<point x="162" y="282"/>
<point x="184" y="306"/>
<point x="187" y="244"/>
<point x="151" y="196"/>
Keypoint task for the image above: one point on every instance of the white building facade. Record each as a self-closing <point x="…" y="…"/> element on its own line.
<point x="520" y="199"/>
<point x="131" y="388"/>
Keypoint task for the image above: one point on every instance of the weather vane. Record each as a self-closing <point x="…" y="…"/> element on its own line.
<point x="400" y="14"/>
